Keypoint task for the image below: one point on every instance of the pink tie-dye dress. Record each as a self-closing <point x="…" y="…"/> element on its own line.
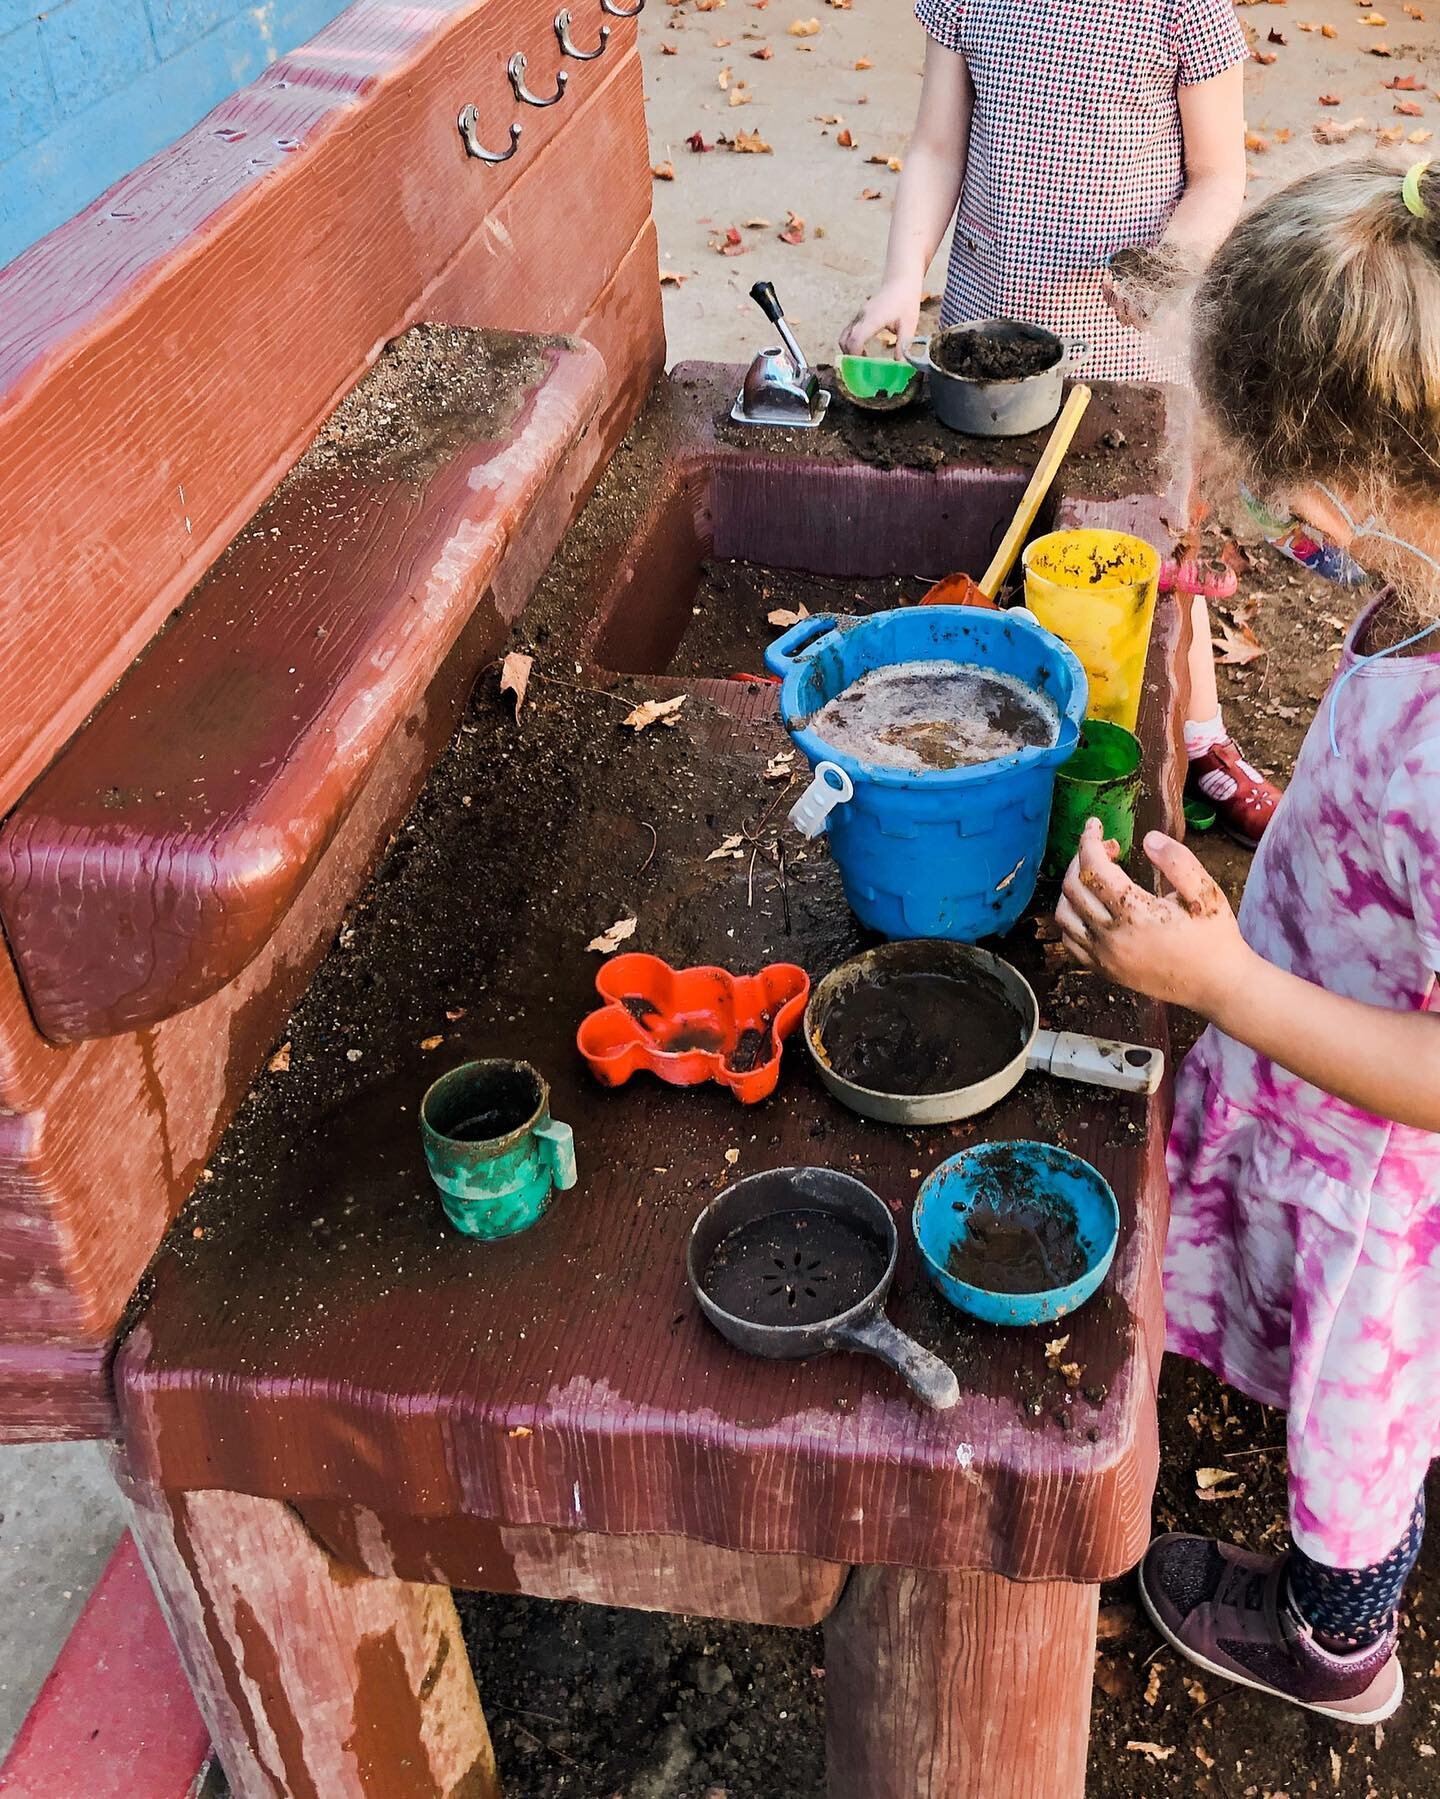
<point x="1303" y="1263"/>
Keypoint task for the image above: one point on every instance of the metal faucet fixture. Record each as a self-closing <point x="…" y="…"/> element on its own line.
<point x="780" y="387"/>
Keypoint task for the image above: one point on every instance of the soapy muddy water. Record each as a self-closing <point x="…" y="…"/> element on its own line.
<point x="1032" y="1246"/>
<point x="921" y="1032"/>
<point x="794" y="1267"/>
<point x="928" y="716"/>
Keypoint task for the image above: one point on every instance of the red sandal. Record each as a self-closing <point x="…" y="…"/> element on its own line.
<point x="1212" y="580"/>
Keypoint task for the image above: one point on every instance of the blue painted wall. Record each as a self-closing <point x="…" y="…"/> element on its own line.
<point x="90" y="88"/>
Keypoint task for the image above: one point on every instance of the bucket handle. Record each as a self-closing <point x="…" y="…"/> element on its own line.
<point x="829" y="787"/>
<point x="922" y="360"/>
<point x="1076" y="350"/>
<point x="792" y="647"/>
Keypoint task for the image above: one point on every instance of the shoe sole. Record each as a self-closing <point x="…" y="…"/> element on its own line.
<point x="1378" y="1716"/>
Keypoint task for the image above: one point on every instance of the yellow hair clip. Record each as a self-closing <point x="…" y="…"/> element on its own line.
<point x="1410" y="189"/>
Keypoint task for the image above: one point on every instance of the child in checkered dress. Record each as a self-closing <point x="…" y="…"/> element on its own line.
<point x="1062" y="135"/>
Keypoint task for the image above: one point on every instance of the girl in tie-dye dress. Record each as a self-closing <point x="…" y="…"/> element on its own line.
<point x="1303" y="1263"/>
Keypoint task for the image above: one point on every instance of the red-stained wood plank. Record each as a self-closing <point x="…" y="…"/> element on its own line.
<point x="115" y="1718"/>
<point x="958" y="1686"/>
<point x="315" y="1681"/>
<point x="156" y="857"/>
<point x="103" y="529"/>
<point x="563" y="1379"/>
<point x="650" y="1574"/>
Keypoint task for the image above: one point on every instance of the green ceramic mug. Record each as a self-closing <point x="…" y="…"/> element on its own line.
<point x="492" y="1147"/>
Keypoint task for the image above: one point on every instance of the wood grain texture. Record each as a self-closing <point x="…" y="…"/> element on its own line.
<point x="958" y="1686"/>
<point x="156" y="857"/>
<point x="343" y="162"/>
<point x="648" y="1574"/>
<point x="316" y="1682"/>
<point x="582" y="1390"/>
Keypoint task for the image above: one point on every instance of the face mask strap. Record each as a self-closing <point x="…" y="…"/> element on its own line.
<point x="1371" y="528"/>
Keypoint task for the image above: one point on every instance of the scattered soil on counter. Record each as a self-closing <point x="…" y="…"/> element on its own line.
<point x="921" y="1033"/>
<point x="981" y="356"/>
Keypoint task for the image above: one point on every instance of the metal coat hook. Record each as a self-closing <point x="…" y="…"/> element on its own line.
<point x="515" y="69"/>
<point x="562" y="31"/>
<point x="622" y="12"/>
<point x="468" y="120"/>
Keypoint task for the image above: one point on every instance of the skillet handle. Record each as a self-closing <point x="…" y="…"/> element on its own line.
<point x="1098" y="1061"/>
<point x="926" y="1374"/>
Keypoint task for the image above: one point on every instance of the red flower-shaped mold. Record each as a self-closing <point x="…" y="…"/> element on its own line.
<point x="689" y="1025"/>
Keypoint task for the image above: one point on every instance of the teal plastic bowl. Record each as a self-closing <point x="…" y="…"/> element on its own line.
<point x="992" y="1171"/>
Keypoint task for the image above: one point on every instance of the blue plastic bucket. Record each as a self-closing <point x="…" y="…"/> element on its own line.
<point x="943" y="1209"/>
<point x="950" y="852"/>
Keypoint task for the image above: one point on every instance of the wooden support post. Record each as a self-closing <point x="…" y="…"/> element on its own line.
<point x="316" y="1681"/>
<point x="952" y="1686"/>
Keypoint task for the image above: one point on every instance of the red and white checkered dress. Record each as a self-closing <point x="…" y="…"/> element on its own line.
<point x="1075" y="153"/>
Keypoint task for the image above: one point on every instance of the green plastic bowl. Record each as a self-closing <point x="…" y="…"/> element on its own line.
<point x="877" y="377"/>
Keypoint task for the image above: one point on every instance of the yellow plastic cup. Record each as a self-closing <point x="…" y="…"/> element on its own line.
<point x="1096" y="591"/>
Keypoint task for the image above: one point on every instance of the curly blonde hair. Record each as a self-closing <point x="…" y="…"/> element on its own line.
<point x="1317" y="336"/>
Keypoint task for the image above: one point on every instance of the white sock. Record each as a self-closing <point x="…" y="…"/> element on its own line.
<point x="1202" y="734"/>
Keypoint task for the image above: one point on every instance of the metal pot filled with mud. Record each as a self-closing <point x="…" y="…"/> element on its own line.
<point x="995" y="377"/>
<point x="929" y="1031"/>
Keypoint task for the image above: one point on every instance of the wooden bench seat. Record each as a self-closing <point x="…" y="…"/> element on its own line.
<point x="157" y="855"/>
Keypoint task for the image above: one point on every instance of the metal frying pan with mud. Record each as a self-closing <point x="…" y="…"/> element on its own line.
<point x="793" y="1262"/>
<point x="927" y="1031"/>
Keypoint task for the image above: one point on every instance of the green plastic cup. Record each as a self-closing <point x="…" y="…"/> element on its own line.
<point x="1101" y="780"/>
<point x="492" y="1147"/>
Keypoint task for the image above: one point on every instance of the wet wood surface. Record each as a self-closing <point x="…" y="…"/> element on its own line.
<point x="330" y="1339"/>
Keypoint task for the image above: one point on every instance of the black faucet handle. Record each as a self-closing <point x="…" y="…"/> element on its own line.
<point x="764" y="295"/>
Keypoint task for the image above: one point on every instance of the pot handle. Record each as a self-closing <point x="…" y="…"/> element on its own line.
<point x="1076" y="350"/>
<point x="924" y="1373"/>
<point x="922" y="361"/>
<point x="792" y="647"/>
<point x="1098" y="1061"/>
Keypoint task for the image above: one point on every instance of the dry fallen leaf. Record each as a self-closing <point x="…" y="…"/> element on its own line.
<point x="428" y="1043"/>
<point x="651" y="712"/>
<point x="845" y="140"/>
<point x="863" y="62"/>
<point x="804" y="28"/>
<point x="1193" y="1687"/>
<point x="669" y="278"/>
<point x="732" y="1156"/>
<point x="279" y="1063"/>
<point x="1409" y="109"/>
<point x="1374" y="19"/>
<point x="782" y="618"/>
<point x="668" y="50"/>
<point x="1152" y="1685"/>
<point x="1406" y="84"/>
<point x="1113" y="1678"/>
<point x="521" y="1430"/>
<point x="763" y="54"/>
<point x="871" y="193"/>
<point x="1218" y="1484"/>
<point x="722" y="80"/>
<point x="758" y="224"/>
<point x="722" y="43"/>
<point x="740" y="95"/>
<point x="663" y="171"/>
<point x="1115" y="1621"/>
<point x="1419" y="137"/>
<point x="515" y="676"/>
<point x="750" y="143"/>
<point x="455" y="1013"/>
<point x="1203" y="1756"/>
<point x="1152" y="1750"/>
<point x="1278" y="37"/>
<point x="728" y="242"/>
<point x="1054" y="1349"/>
<point x="887" y="162"/>
<point x="1390" y="134"/>
<point x="779" y="768"/>
<point x="1380" y="50"/>
<point x="1239" y="645"/>
<point x="1255" y="143"/>
<point x="614" y="937"/>
<point x="1326" y="132"/>
<point x="1266" y="57"/>
<point x="697" y="143"/>
<point x="1329" y="99"/>
<point x="732" y="849"/>
<point x="1414" y="12"/>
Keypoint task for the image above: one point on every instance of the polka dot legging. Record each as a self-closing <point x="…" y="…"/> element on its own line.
<point x="1351" y="1608"/>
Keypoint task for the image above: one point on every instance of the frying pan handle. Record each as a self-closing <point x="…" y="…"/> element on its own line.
<point x="926" y="1374"/>
<point x="1099" y="1061"/>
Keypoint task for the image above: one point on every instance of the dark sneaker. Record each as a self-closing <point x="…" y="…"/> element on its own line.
<point x="1223" y="1609"/>
<point x="1243" y="798"/>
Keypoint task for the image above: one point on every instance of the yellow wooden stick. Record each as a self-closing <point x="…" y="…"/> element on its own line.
<point x="1045" y="471"/>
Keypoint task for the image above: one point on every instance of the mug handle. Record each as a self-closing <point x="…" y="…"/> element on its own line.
<point x="557" y="1146"/>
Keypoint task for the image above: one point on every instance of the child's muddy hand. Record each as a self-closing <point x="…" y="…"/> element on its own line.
<point x="892" y="309"/>
<point x="1185" y="948"/>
